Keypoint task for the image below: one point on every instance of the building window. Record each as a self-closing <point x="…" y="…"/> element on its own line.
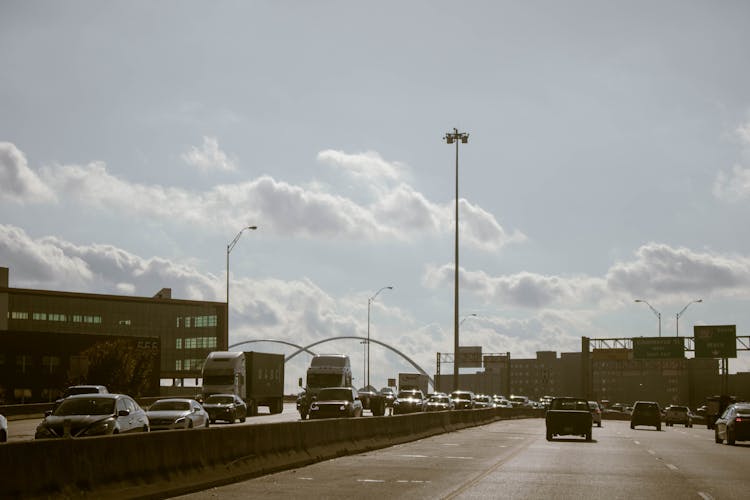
<point x="50" y="363"/>
<point x="19" y="315"/>
<point x="178" y="365"/>
<point x="187" y="321"/>
<point x="124" y="322"/>
<point x="23" y="363"/>
<point x="204" y="321"/>
<point x="56" y="317"/>
<point x="92" y="319"/>
<point x="200" y="343"/>
<point x="178" y="344"/>
<point x="39" y="316"/>
<point x="77" y="318"/>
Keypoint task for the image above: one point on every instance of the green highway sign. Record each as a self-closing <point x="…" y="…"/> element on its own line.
<point x="658" y="347"/>
<point x="715" y="341"/>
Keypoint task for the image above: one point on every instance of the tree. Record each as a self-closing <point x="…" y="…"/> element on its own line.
<point x="122" y="366"/>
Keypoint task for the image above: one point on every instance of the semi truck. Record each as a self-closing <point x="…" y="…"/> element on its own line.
<point x="326" y="370"/>
<point x="256" y="377"/>
<point x="408" y="381"/>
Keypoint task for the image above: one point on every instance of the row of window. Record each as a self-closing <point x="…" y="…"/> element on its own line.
<point x="196" y="343"/>
<point x="188" y="364"/>
<point x="25" y="363"/>
<point x="196" y="321"/>
<point x="43" y="316"/>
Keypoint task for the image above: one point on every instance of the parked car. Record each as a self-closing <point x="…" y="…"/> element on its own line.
<point x="734" y="424"/>
<point x="675" y="414"/>
<point x="438" y="402"/>
<point x="463" y="400"/>
<point x="3" y="429"/>
<point x="596" y="413"/>
<point x="336" y="402"/>
<point x="409" y="401"/>
<point x="646" y="413"/>
<point x="84" y="415"/>
<point x="177" y="413"/>
<point x="226" y="407"/>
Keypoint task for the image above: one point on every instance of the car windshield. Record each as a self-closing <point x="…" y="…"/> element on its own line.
<point x="407" y="394"/>
<point x="324" y="380"/>
<point x="70" y="391"/>
<point x="335" y="395"/>
<point x="85" y="406"/>
<point x="569" y="404"/>
<point x="220" y="400"/>
<point x="218" y="379"/>
<point x="170" y="406"/>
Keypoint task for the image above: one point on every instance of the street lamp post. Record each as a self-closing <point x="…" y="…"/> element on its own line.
<point x="658" y="314"/>
<point x="450" y="138"/>
<point x="230" y="246"/>
<point x="369" y="303"/>
<point x="677" y="316"/>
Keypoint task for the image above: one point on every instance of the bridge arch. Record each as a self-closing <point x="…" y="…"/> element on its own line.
<point x="352" y="337"/>
<point x="292" y="344"/>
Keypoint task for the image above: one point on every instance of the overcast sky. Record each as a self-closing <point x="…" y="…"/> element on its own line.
<point x="608" y="160"/>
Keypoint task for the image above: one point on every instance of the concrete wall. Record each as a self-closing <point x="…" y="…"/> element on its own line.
<point x="175" y="462"/>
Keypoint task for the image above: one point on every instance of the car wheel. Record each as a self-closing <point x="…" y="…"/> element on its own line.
<point x="658" y="427"/>
<point x="190" y="424"/>
<point x="207" y="424"/>
<point x="599" y="424"/>
<point x="632" y="426"/>
<point x="243" y="417"/>
<point x="730" y="438"/>
<point x="213" y="421"/>
<point x="716" y="437"/>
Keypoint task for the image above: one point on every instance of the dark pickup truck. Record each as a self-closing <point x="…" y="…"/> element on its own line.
<point x="568" y="416"/>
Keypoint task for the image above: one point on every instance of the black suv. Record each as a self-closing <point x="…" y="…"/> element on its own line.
<point x="646" y="413"/>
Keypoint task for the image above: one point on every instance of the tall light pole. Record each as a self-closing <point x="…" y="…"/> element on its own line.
<point x="230" y="246"/>
<point x="658" y="314"/>
<point x="369" y="303"/>
<point x="677" y="316"/>
<point x="450" y="138"/>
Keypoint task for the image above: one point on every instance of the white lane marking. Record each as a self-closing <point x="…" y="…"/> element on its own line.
<point x="705" y="496"/>
<point x="413" y="456"/>
<point x="651" y="452"/>
<point x="402" y="481"/>
<point x="462" y="458"/>
<point x="672" y="467"/>
<point x="450" y="444"/>
<point x="370" y="480"/>
<point x="305" y="478"/>
<point x="637" y="442"/>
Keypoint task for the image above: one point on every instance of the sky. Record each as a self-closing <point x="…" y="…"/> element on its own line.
<point x="608" y="160"/>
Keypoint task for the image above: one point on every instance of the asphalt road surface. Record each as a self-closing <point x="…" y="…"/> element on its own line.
<point x="512" y="459"/>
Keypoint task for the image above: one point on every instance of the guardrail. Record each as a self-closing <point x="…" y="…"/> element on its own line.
<point x="168" y="463"/>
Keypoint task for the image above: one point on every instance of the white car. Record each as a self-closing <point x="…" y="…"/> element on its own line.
<point x="3" y="429"/>
<point x="177" y="413"/>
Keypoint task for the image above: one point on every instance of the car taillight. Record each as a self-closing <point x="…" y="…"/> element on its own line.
<point x="738" y="419"/>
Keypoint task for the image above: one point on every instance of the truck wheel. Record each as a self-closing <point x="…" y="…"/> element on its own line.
<point x="589" y="437"/>
<point x="658" y="427"/>
<point x="279" y="406"/>
<point x="243" y="417"/>
<point x="599" y="423"/>
<point x="549" y="436"/>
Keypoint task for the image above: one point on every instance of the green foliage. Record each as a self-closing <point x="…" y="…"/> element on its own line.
<point x="121" y="366"/>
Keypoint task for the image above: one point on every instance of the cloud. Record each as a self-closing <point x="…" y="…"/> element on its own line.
<point x="18" y="183"/>
<point x="657" y="269"/>
<point x="743" y="133"/>
<point x="209" y="157"/>
<point x="399" y="212"/>
<point x="369" y="168"/>
<point x="732" y="187"/>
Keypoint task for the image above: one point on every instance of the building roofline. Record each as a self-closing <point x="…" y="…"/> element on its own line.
<point x="99" y="296"/>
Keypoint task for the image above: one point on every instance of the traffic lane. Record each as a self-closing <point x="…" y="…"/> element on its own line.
<point x="506" y="459"/>
<point x="715" y="470"/>
<point x="428" y="468"/>
<point x="24" y="429"/>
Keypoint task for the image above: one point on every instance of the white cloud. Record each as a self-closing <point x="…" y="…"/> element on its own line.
<point x="657" y="269"/>
<point x="743" y="132"/>
<point x="368" y="167"/>
<point x="399" y="212"/>
<point x="732" y="187"/>
<point x="209" y="157"/>
<point x="18" y="183"/>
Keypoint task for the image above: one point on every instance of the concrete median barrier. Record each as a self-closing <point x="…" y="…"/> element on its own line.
<point x="158" y="464"/>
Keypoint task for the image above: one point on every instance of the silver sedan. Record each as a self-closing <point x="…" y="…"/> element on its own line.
<point x="177" y="413"/>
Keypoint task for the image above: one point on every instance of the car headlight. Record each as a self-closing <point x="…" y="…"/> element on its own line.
<point x="42" y="431"/>
<point x="314" y="407"/>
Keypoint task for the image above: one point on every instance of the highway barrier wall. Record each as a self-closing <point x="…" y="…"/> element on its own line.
<point x="168" y="463"/>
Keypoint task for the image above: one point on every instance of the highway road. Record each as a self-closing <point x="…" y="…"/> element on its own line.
<point x="23" y="429"/>
<point x="512" y="459"/>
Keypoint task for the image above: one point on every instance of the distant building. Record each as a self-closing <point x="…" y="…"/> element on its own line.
<point x="187" y="329"/>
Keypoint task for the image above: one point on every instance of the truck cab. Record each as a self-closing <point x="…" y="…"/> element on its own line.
<point x="326" y="370"/>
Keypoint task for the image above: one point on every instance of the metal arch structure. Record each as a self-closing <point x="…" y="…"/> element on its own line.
<point x="351" y="337"/>
<point x="292" y="344"/>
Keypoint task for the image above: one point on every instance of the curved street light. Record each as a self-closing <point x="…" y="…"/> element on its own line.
<point x="369" y="303"/>
<point x="677" y="316"/>
<point x="658" y="314"/>
<point x="450" y="138"/>
<point x="467" y="317"/>
<point x="230" y="246"/>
